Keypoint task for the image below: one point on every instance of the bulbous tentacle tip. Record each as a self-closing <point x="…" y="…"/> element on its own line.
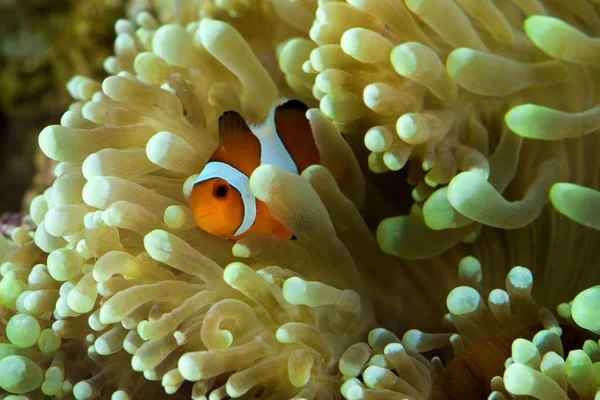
<point x="581" y="204"/>
<point x="48" y="141"/>
<point x="262" y="180"/>
<point x="543" y="123"/>
<point x="211" y="28"/>
<point x="319" y="176"/>
<point x="553" y="35"/>
<point x="585" y="309"/>
<point x="19" y="374"/>
<point x="173" y="44"/>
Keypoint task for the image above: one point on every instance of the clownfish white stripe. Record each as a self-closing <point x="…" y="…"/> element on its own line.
<point x="272" y="149"/>
<point x="240" y="182"/>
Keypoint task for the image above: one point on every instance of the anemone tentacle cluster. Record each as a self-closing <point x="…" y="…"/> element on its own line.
<point x="119" y="292"/>
<point x="485" y="104"/>
<point x="508" y="347"/>
<point x="455" y="91"/>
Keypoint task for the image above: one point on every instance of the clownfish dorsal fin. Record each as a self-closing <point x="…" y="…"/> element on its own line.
<point x="293" y="105"/>
<point x="295" y="132"/>
<point x="239" y="147"/>
<point x="232" y="127"/>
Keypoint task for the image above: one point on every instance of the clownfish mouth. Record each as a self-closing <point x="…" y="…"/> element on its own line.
<point x="203" y="215"/>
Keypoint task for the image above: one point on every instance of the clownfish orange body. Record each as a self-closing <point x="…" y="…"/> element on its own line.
<point x="221" y="200"/>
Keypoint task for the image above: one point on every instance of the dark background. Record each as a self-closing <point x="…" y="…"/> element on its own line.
<point x="42" y="45"/>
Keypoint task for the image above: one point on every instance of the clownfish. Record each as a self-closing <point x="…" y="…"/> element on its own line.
<point x="221" y="200"/>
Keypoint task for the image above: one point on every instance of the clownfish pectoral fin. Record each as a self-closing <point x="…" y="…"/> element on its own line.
<point x="282" y="232"/>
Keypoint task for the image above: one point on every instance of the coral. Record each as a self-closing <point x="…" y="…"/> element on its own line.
<point x="43" y="45"/>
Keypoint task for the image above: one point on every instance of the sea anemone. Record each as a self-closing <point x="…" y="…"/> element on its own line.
<point x="119" y="289"/>
<point x="482" y="104"/>
<point x="487" y="112"/>
<point x="509" y="346"/>
<point x="451" y="91"/>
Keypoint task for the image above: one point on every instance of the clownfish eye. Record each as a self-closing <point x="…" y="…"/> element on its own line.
<point x="221" y="191"/>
